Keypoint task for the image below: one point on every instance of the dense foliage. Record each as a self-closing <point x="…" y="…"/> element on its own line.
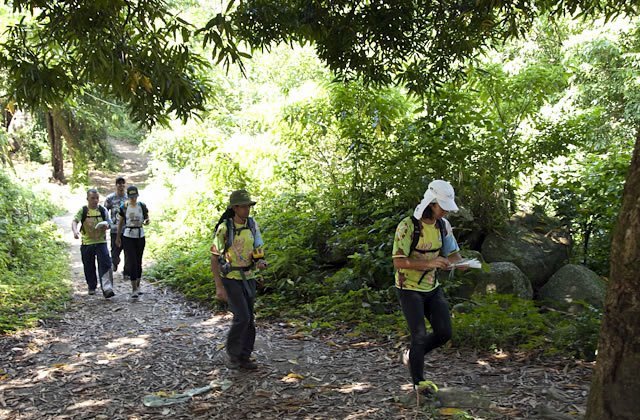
<point x="544" y="123"/>
<point x="135" y="51"/>
<point x="416" y="43"/>
<point x="34" y="266"/>
<point x="336" y="166"/>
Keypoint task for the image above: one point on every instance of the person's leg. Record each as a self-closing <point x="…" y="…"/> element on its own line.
<point x="137" y="270"/>
<point x="104" y="269"/>
<point x="104" y="261"/>
<point x="242" y="318"/>
<point x="88" y="253"/>
<point x="250" y="339"/>
<point x="412" y="304"/>
<point x="115" y="251"/>
<point x="130" y="254"/>
<point x="140" y="244"/>
<point x="437" y="312"/>
<point x="126" y="271"/>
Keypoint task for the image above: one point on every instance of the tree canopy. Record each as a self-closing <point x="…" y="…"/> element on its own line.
<point x="415" y="43"/>
<point x="135" y="51"/>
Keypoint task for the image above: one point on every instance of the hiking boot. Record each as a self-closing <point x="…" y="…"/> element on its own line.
<point x="426" y="389"/>
<point x="108" y="294"/>
<point x="92" y="291"/>
<point x="248" y="364"/>
<point x="234" y="363"/>
<point x="135" y="288"/>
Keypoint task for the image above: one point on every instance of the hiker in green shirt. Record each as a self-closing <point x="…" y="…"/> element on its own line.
<point x="92" y="222"/>
<point x="236" y="253"/>
<point x="424" y="243"/>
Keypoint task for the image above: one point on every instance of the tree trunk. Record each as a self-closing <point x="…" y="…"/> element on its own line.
<point x="615" y="389"/>
<point x="55" y="142"/>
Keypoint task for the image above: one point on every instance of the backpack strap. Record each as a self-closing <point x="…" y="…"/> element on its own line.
<point x="415" y="236"/>
<point x="85" y="214"/>
<point x="231" y="232"/>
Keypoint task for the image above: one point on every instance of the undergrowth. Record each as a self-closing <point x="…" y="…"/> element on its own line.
<point x="34" y="263"/>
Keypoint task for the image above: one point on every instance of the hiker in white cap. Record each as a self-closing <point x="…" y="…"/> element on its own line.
<point x="424" y="243"/>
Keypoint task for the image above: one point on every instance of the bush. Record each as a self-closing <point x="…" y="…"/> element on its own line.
<point x="34" y="262"/>
<point x="507" y="322"/>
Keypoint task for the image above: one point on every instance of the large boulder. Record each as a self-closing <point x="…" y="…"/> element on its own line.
<point x="571" y="283"/>
<point x="536" y="254"/>
<point x="504" y="278"/>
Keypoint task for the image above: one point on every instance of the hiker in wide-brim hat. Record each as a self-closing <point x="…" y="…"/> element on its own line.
<point x="240" y="198"/>
<point x="236" y="255"/>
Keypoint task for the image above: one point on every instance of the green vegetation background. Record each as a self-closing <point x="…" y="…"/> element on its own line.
<point x="542" y="125"/>
<point x="34" y="261"/>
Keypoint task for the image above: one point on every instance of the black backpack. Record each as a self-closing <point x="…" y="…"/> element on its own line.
<point x="85" y="213"/>
<point x="415" y="236"/>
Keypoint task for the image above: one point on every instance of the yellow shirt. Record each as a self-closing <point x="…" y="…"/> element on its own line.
<point x="429" y="240"/>
<point x="240" y="253"/>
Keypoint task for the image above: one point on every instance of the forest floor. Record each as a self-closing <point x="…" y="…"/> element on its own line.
<point x="116" y="358"/>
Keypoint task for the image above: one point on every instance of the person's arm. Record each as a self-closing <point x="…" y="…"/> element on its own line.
<point x="454" y="258"/>
<point x="450" y="246"/>
<point x="219" y="240"/>
<point x="406" y="263"/>
<point x="119" y="232"/>
<point x="221" y="293"/>
<point x="74" y="229"/>
<point x="145" y="215"/>
<point x="258" y="244"/>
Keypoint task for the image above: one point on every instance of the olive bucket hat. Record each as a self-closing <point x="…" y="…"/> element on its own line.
<point x="240" y="198"/>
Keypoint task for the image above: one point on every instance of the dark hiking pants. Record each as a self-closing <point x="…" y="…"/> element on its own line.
<point x="242" y="334"/>
<point x="89" y="254"/>
<point x="416" y="306"/>
<point x="115" y="253"/>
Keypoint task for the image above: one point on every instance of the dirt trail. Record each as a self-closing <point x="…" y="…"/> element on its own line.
<point x="101" y="357"/>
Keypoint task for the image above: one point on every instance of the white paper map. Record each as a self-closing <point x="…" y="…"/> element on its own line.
<point x="467" y="262"/>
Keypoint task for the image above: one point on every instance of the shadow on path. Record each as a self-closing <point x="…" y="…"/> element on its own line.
<point x="101" y="357"/>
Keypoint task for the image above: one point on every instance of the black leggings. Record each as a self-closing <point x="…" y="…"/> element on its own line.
<point x="133" y="250"/>
<point x="416" y="306"/>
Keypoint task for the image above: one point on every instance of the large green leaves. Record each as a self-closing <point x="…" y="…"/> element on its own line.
<point x="418" y="43"/>
<point x="135" y="51"/>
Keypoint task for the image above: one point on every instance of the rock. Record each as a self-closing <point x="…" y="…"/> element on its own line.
<point x="504" y="278"/>
<point x="537" y="255"/>
<point x="545" y="412"/>
<point x="571" y="283"/>
<point x="461" y="398"/>
<point x="335" y="253"/>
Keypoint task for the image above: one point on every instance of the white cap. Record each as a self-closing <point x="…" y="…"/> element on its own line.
<point x="440" y="192"/>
